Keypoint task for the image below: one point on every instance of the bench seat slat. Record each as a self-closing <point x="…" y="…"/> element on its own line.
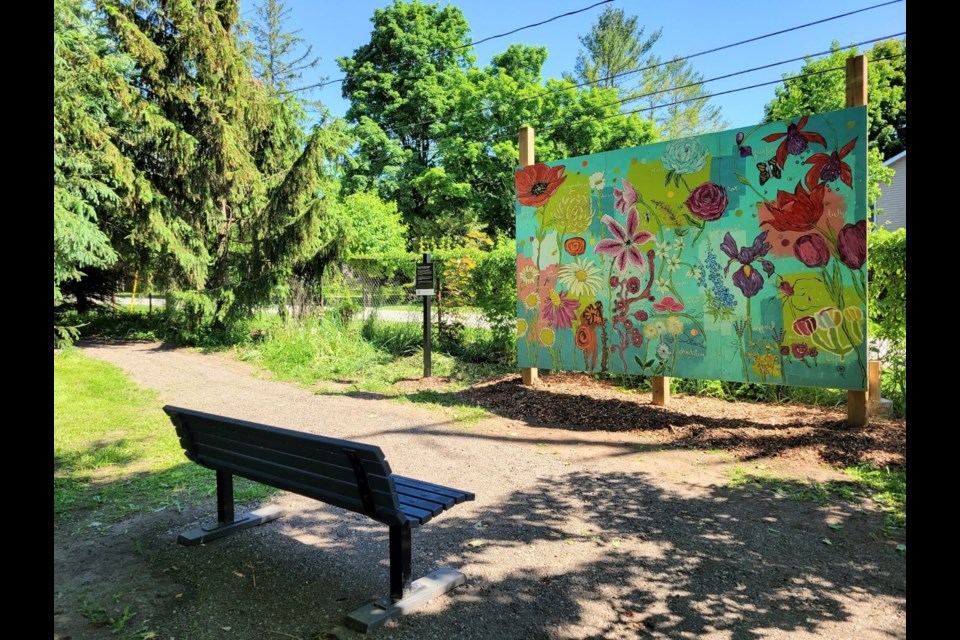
<point x="415" y="514"/>
<point x="456" y="494"/>
<point x="249" y="467"/>
<point x="434" y="508"/>
<point x="443" y="502"/>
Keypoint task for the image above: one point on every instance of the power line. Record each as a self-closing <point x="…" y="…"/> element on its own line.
<point x="487" y="39"/>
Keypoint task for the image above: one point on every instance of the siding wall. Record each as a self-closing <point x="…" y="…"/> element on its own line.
<point x="893" y="200"/>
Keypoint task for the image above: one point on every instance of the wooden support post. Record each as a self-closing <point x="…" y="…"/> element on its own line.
<point x="528" y="375"/>
<point x="858" y="413"/>
<point x="873" y="383"/>
<point x="661" y="391"/>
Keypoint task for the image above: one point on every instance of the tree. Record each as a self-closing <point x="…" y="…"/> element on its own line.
<point x="231" y="206"/>
<point x="615" y="45"/>
<point x="438" y="135"/>
<point x="674" y="94"/>
<point x="614" y="56"/>
<point x="400" y="85"/>
<point x="279" y="62"/>
<point x="820" y="85"/>
<point x="90" y="175"/>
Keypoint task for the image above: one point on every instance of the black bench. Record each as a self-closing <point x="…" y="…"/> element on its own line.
<point x="346" y="474"/>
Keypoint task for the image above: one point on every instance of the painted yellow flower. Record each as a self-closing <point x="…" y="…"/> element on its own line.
<point x="581" y="278"/>
<point x="674" y="325"/>
<point x="521" y="327"/>
<point x="650" y="331"/>
<point x="547" y="337"/>
<point x="532" y="301"/>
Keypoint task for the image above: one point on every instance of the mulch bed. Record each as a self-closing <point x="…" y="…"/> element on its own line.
<point x="805" y="433"/>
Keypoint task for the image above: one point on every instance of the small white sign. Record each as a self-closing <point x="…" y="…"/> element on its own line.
<point x="425" y="292"/>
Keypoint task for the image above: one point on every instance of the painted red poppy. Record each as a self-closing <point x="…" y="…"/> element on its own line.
<point x="536" y="183"/>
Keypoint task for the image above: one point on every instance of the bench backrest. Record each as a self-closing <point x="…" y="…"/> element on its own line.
<point x="346" y="474"/>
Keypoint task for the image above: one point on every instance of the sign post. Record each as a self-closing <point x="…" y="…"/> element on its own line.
<point x="424" y="287"/>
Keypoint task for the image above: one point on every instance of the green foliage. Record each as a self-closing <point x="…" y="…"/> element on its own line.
<point x="280" y="58"/>
<point x="887" y="255"/>
<point x="826" y="91"/>
<point x="495" y="287"/>
<point x="677" y="100"/>
<point x="115" y="451"/>
<point x="90" y="174"/>
<point x="373" y="227"/>
<point x="437" y="135"/>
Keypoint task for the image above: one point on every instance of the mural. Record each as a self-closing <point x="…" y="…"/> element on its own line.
<point x="737" y="255"/>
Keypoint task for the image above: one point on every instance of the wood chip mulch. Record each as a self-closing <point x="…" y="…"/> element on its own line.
<point x="798" y="432"/>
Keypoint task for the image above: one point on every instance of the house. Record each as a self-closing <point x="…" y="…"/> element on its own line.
<point x="893" y="198"/>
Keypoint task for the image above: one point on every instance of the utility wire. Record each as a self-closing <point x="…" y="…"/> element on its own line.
<point x="436" y="54"/>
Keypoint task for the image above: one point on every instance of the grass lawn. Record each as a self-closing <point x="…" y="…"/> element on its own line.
<point x="115" y="451"/>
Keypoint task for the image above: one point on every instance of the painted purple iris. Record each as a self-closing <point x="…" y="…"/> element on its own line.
<point x="747" y="278"/>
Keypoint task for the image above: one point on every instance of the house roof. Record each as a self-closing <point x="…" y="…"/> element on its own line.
<point x="895" y="158"/>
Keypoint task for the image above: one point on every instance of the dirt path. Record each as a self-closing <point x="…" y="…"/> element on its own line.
<point x="573" y="535"/>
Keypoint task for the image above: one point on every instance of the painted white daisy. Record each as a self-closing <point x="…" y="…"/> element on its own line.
<point x="531" y="301"/>
<point x="596" y="181"/>
<point x="528" y="275"/>
<point x="581" y="278"/>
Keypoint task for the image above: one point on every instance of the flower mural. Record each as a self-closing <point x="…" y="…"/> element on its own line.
<point x="677" y="259"/>
<point x="795" y="140"/>
<point x="708" y="201"/>
<point x="797" y="211"/>
<point x="624" y="246"/>
<point x="537" y="183"/>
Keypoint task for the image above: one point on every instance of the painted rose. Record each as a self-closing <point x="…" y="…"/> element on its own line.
<point x="708" y="201"/>
<point x="812" y="250"/>
<point x="852" y="244"/>
<point x="536" y="183"/>
<point x="575" y="246"/>
<point x="799" y="349"/>
<point x="688" y="155"/>
<point x="797" y="211"/>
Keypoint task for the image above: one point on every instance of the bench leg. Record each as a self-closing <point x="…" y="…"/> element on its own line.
<point x="400" y="561"/>
<point x="226" y="521"/>
<point x="405" y="596"/>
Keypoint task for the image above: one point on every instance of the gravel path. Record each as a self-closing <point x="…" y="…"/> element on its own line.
<point x="573" y="535"/>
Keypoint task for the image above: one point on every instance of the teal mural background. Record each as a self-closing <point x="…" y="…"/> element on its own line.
<point x="738" y="255"/>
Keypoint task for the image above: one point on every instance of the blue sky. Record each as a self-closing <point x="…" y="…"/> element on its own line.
<point x="337" y="28"/>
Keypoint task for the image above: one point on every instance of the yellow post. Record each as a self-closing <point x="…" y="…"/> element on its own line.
<point x="858" y="412"/>
<point x="528" y="375"/>
<point x="133" y="295"/>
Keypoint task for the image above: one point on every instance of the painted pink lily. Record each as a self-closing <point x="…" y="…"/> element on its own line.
<point x="830" y="167"/>
<point x="625" y="199"/>
<point x="624" y="246"/>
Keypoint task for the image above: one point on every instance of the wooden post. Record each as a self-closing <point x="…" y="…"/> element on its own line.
<point x="873" y="384"/>
<point x="858" y="412"/>
<point x="528" y="375"/>
<point x="661" y="391"/>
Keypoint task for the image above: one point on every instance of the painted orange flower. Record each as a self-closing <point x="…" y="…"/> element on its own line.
<point x="575" y="246"/>
<point x="795" y="140"/>
<point x="797" y="211"/>
<point x="536" y="183"/>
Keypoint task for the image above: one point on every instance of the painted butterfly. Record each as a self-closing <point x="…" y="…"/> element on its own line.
<point x="765" y="174"/>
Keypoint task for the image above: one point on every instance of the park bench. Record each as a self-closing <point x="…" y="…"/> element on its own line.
<point x="345" y="474"/>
